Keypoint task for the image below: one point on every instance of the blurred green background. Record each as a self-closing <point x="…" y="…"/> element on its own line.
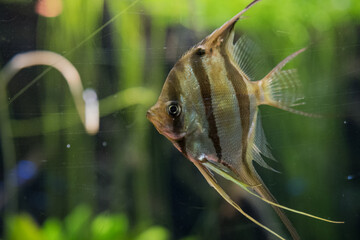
<point x="128" y="182"/>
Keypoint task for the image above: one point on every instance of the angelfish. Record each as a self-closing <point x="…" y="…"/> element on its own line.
<point x="208" y="109"/>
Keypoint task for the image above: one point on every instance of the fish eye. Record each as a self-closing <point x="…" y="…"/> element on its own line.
<point x="200" y="51"/>
<point x="174" y="109"/>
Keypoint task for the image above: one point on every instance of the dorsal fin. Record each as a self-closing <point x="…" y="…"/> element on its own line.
<point x="224" y="31"/>
<point x="248" y="55"/>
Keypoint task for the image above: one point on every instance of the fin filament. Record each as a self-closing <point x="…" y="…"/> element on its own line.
<point x="245" y="187"/>
<point x="210" y="179"/>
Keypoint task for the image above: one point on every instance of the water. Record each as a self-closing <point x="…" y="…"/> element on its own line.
<point x="127" y="179"/>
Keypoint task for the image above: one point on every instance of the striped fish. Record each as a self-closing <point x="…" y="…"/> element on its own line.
<point x="208" y="109"/>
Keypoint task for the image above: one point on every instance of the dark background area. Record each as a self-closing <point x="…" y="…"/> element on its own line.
<point x="132" y="176"/>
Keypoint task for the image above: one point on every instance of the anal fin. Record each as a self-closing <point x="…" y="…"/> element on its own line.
<point x="260" y="146"/>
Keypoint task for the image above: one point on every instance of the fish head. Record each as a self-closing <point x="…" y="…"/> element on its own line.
<point x="167" y="115"/>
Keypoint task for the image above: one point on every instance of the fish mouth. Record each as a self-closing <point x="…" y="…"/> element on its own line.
<point x="149" y="115"/>
<point x="163" y="129"/>
<point x="154" y="120"/>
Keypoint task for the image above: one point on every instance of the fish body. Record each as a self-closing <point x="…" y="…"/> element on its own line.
<point x="208" y="108"/>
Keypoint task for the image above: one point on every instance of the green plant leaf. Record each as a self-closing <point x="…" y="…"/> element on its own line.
<point x="154" y="233"/>
<point x="23" y="227"/>
<point x="52" y="230"/>
<point x="105" y="227"/>
<point x="76" y="224"/>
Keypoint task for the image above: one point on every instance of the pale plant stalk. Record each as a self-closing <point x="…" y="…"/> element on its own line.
<point x="85" y="101"/>
<point x="87" y="105"/>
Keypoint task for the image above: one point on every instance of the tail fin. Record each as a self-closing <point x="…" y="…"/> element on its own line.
<point x="282" y="88"/>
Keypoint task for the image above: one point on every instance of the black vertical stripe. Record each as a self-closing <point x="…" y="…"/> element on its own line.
<point x="182" y="146"/>
<point x="205" y="89"/>
<point x="243" y="100"/>
<point x="174" y="89"/>
<point x="173" y="94"/>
